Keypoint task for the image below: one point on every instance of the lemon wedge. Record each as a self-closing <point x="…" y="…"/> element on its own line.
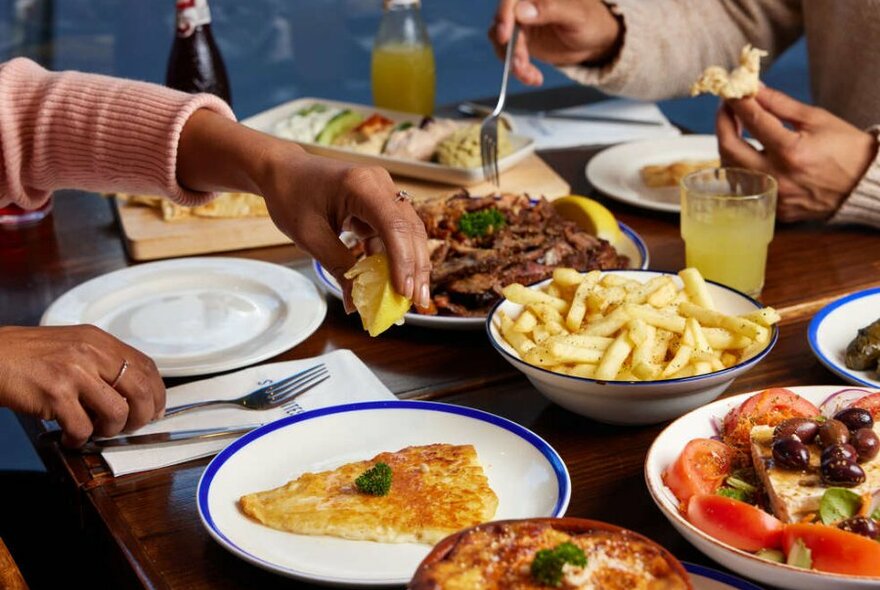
<point x="379" y="305"/>
<point x="591" y="215"/>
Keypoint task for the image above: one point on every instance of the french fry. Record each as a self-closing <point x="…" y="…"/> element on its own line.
<point x="578" y="308"/>
<point x="609" y="324"/>
<point x="644" y="337"/>
<point x="640" y="292"/>
<point x="519" y="341"/>
<point x="554" y="291"/>
<point x="585" y="371"/>
<point x="546" y="313"/>
<point x="721" y="339"/>
<point x="614" y="357"/>
<point x="647" y="371"/>
<point x="615" y="280"/>
<point x="524" y="296"/>
<point x="541" y="333"/>
<point x="728" y="359"/>
<point x="708" y="317"/>
<point x="679" y="361"/>
<point x="695" y="287"/>
<point x="526" y="322"/>
<point x="656" y="318"/>
<point x="662" y="339"/>
<point x="567" y="277"/>
<point x="766" y="316"/>
<point x="566" y="353"/>
<point x="540" y="357"/>
<point x="663" y="296"/>
<point x="599" y="343"/>
<point x="703" y="351"/>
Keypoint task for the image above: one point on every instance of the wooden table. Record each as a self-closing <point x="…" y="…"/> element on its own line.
<point x="146" y="525"/>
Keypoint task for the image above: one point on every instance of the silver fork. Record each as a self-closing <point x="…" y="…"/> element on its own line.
<point x="489" y="127"/>
<point x="269" y="396"/>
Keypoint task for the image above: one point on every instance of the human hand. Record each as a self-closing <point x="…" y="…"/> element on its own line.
<point x="817" y="162"/>
<point x="66" y="374"/>
<point x="312" y="199"/>
<point x="559" y="32"/>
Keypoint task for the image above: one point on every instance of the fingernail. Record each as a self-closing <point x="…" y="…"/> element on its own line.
<point x="408" y="288"/>
<point x="424" y="296"/>
<point x="526" y="11"/>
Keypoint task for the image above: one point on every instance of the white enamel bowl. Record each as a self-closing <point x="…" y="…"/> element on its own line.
<point x="698" y="424"/>
<point x="632" y="402"/>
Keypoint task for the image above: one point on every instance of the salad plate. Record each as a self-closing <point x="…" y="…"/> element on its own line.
<point x="836" y="325"/>
<point x="632" y="245"/>
<point x="525" y="472"/>
<point x="195" y="316"/>
<point x="268" y="121"/>
<point x="703" y="423"/>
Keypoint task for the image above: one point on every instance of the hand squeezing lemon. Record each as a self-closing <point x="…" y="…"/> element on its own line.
<point x="591" y="215"/>
<point x="378" y="304"/>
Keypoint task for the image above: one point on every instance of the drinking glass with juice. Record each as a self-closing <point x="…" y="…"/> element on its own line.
<point x="403" y="73"/>
<point x="727" y="220"/>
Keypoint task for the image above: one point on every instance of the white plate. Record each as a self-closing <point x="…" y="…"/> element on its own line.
<point x="632" y="246"/>
<point x="835" y="326"/>
<point x="266" y="121"/>
<point x="528" y="476"/>
<point x="705" y="578"/>
<point x="698" y="424"/>
<point x="616" y="170"/>
<point x="194" y="316"/>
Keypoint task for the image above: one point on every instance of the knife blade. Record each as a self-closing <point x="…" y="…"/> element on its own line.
<point x="161" y="438"/>
<point x="474" y="109"/>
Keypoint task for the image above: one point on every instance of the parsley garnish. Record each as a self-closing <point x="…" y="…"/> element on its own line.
<point x="480" y="223"/>
<point x="375" y="481"/>
<point x="548" y="563"/>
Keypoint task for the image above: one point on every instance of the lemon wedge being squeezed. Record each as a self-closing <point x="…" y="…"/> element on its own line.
<point x="378" y="304"/>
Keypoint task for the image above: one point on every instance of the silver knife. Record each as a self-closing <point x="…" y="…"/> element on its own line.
<point x="474" y="109"/>
<point x="159" y="438"/>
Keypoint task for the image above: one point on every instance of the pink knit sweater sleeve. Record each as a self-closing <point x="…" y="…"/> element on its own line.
<point x="91" y="132"/>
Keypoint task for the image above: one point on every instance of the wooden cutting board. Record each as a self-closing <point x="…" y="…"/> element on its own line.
<point x="149" y="237"/>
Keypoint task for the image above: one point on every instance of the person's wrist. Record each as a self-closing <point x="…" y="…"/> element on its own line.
<point x="275" y="155"/>
<point x="609" y="31"/>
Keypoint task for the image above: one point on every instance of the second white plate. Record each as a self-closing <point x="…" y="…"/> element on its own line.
<point x="616" y="171"/>
<point x="836" y="325"/>
<point x="527" y="475"/>
<point x="195" y="316"/>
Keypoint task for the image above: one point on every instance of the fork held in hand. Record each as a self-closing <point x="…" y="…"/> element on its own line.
<point x="489" y="127"/>
<point x="268" y="396"/>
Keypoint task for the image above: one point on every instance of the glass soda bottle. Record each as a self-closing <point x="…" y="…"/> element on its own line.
<point x="403" y="72"/>
<point x="195" y="64"/>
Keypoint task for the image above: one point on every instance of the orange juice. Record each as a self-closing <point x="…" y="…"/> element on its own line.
<point x="404" y="78"/>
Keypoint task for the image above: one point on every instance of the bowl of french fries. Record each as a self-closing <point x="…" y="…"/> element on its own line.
<point x="631" y="346"/>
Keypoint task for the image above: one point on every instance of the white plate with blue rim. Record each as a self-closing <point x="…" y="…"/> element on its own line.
<point x="631" y="245"/>
<point x="525" y="472"/>
<point x="836" y="325"/>
<point x="706" y="578"/>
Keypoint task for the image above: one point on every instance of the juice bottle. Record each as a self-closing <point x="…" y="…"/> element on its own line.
<point x="403" y="72"/>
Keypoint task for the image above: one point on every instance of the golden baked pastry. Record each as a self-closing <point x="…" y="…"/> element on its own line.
<point x="225" y="205"/>
<point x="671" y="174"/>
<point x="435" y="490"/>
<point x="741" y="82"/>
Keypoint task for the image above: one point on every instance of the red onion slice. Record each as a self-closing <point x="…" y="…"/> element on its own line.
<point x="840" y="400"/>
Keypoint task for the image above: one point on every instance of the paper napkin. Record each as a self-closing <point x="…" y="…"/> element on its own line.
<point x="350" y="381"/>
<point x="550" y="133"/>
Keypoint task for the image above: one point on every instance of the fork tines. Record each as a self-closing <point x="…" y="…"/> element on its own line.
<point x="286" y="389"/>
<point x="489" y="149"/>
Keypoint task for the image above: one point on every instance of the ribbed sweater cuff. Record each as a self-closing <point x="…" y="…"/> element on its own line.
<point x="92" y="132"/>
<point x="613" y="77"/>
<point x="863" y="204"/>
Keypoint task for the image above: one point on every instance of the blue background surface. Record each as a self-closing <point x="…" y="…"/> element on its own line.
<point x="278" y="50"/>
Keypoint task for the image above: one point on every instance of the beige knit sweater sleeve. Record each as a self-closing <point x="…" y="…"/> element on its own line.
<point x="862" y="206"/>
<point x="668" y="43"/>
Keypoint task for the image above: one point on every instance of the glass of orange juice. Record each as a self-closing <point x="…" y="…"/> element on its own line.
<point x="727" y="219"/>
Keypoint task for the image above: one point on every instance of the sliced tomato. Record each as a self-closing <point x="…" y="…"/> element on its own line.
<point x="769" y="407"/>
<point x="869" y="402"/>
<point x="700" y="469"/>
<point x="736" y="523"/>
<point x="835" y="550"/>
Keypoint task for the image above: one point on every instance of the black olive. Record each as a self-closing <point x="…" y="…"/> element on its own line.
<point x="840" y="472"/>
<point x="803" y="428"/>
<point x="855" y="418"/>
<point x="791" y="453"/>
<point x="860" y="525"/>
<point x="846" y="452"/>
<point x="866" y="443"/>
<point x="833" y="432"/>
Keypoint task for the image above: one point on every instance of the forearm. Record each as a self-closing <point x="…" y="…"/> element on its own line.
<point x="666" y="44"/>
<point x="217" y="154"/>
<point x="91" y="132"/>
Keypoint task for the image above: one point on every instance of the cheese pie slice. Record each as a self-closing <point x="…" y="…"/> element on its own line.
<point x="436" y="490"/>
